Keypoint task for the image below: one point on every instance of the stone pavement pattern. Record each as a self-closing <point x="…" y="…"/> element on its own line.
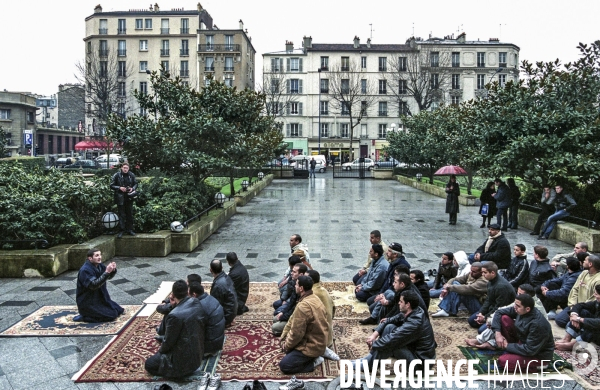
<point x="333" y="216"/>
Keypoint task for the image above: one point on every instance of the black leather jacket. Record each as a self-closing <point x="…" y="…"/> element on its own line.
<point x="224" y="291"/>
<point x="120" y="179"/>
<point x="214" y="322"/>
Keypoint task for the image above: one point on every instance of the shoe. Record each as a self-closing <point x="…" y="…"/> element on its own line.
<point x="534" y="234"/>
<point x="247" y="387"/>
<point x="204" y="381"/>
<point x="329" y="354"/>
<point x="257" y="385"/>
<point x="120" y="234"/>
<point x="319" y="361"/>
<point x="214" y="382"/>
<point x="368" y="321"/>
<point x="160" y="339"/>
<point x="131" y="233"/>
<point x="430" y="272"/>
<point x="433" y="272"/>
<point x="292" y="384"/>
<point x="78" y="318"/>
<point x="543" y="238"/>
<point x="441" y="313"/>
<point x="482" y="225"/>
<point x="552" y="314"/>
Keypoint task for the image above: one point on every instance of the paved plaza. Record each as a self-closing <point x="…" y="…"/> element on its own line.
<point x="334" y="218"/>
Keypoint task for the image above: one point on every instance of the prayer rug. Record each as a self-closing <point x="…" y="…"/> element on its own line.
<point x="586" y="369"/>
<point x="58" y="321"/>
<point x="346" y="304"/>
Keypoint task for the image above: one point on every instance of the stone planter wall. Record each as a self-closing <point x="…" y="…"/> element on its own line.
<point x="465" y="200"/>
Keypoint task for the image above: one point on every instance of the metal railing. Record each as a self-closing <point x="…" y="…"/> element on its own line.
<point x="164" y="30"/>
<point x="184" y="73"/>
<point x="103" y="31"/>
<point x="184" y="30"/>
<point x="184" y="52"/>
<point x="590" y="224"/>
<point x="214" y="206"/>
<point x="164" y="52"/>
<point x="218" y="47"/>
<point x="122" y="52"/>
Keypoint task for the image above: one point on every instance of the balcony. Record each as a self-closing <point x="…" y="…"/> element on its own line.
<point x="382" y="68"/>
<point x="103" y="31"/>
<point x="503" y="65"/>
<point x="324" y="112"/>
<point x="122" y="31"/>
<point x="164" y="52"/>
<point x="184" y="73"/>
<point x="184" y="30"/>
<point x="164" y="30"/>
<point x="324" y="90"/>
<point x="229" y="69"/>
<point x="383" y="91"/>
<point x="455" y="64"/>
<point x="481" y="64"/>
<point x="345" y="68"/>
<point x="219" y="47"/>
<point x="324" y="68"/>
<point x="103" y="52"/>
<point x="383" y="113"/>
<point x="209" y="68"/>
<point x="184" y="52"/>
<point x="122" y="52"/>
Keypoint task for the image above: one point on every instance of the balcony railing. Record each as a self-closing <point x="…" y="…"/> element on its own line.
<point x="164" y="30"/>
<point x="382" y="68"/>
<point x="103" y="31"/>
<point x="345" y="68"/>
<point x="503" y="64"/>
<point x="383" y="113"/>
<point x="219" y="47"/>
<point x="122" y="31"/>
<point x="184" y="73"/>
<point x="324" y="90"/>
<point x="103" y="52"/>
<point x="122" y="52"/>
<point x="164" y="52"/>
<point x="229" y="69"/>
<point x="209" y="68"/>
<point x="184" y="30"/>
<point x="382" y="91"/>
<point x="324" y="112"/>
<point x="184" y="52"/>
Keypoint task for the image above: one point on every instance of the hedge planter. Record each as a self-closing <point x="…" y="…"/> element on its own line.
<point x="465" y="200"/>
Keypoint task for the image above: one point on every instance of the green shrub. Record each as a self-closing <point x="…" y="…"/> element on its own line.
<point x="26" y="161"/>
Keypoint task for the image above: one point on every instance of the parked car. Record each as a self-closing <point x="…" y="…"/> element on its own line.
<point x="64" y="161"/>
<point x="113" y="160"/>
<point x="391" y="163"/>
<point x="89" y="164"/>
<point x="299" y="162"/>
<point x="356" y="164"/>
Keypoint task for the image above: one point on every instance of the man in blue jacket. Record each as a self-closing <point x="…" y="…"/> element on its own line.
<point x="503" y="203"/>
<point x="564" y="204"/>
<point x="555" y="292"/>
<point x="375" y="277"/>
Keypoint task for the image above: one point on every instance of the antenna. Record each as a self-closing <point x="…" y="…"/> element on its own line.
<point x="413" y="34"/>
<point x="371" y="26"/>
<point x="500" y="32"/>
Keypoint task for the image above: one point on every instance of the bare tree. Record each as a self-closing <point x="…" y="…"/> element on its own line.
<point x="351" y="94"/>
<point x="274" y="87"/>
<point x="422" y="74"/>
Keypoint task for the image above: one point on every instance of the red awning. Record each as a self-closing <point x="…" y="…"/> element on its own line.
<point x="92" y="145"/>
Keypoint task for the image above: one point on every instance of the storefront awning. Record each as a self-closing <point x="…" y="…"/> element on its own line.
<point x="92" y="145"/>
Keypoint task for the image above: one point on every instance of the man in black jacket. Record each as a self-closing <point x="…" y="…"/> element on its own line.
<point x="406" y="336"/>
<point x="540" y="269"/>
<point x="223" y="290"/>
<point x="564" y="204"/>
<point x="241" y="281"/>
<point x="446" y="271"/>
<point x="124" y="185"/>
<point x="496" y="248"/>
<point x="525" y="334"/>
<point x="182" y="350"/>
<point x="517" y="272"/>
<point x="214" y="320"/>
<point x="499" y="293"/>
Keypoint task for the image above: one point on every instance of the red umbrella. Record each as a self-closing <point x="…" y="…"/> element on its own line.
<point x="450" y="170"/>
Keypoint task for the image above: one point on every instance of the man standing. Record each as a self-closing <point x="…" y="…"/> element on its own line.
<point x="223" y="290"/>
<point x="547" y="204"/>
<point x="517" y="272"/>
<point x="241" y="281"/>
<point x="374" y="238"/>
<point x="182" y="350"/>
<point x="499" y="293"/>
<point x="559" y="262"/>
<point x="466" y="289"/>
<point x="564" y="204"/>
<point x="503" y="202"/>
<point x="124" y="185"/>
<point x="93" y="302"/>
<point x="495" y="248"/>
<point x="313" y="164"/>
<point x="306" y="341"/>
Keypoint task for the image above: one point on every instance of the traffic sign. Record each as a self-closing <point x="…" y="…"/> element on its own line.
<point x="27" y="131"/>
<point x="28" y="139"/>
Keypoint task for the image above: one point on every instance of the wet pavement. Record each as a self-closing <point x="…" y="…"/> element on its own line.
<point x="334" y="218"/>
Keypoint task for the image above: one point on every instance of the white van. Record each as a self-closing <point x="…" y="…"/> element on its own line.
<point x="113" y="159"/>
<point x="319" y="158"/>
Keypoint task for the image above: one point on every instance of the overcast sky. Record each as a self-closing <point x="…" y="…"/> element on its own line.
<point x="41" y="40"/>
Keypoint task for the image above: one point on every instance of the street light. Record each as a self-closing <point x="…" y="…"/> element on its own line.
<point x="419" y="176"/>
<point x="219" y="199"/>
<point x="319" y="108"/>
<point x="245" y="185"/>
<point x="495" y="73"/>
<point x="261" y="176"/>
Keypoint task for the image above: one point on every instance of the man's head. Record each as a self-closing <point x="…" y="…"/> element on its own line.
<point x="498" y="181"/>
<point x="558" y="189"/>
<point x="489" y="270"/>
<point x="494" y="229"/>
<point x="231" y="258"/>
<point x="295" y="239"/>
<point x="94" y="256"/>
<point x="394" y="251"/>
<point x="476" y="270"/>
<point x="401" y="282"/>
<point x="540" y="253"/>
<point x="581" y="247"/>
<point x="573" y="265"/>
<point x="304" y="284"/>
<point x="376" y="251"/>
<point x="524" y="304"/>
<point x="293" y="260"/>
<point x="180" y="289"/>
<point x="375" y="237"/>
<point x="216" y="267"/>
<point x="401" y="269"/>
<point x="125" y="168"/>
<point x="526" y="289"/>
<point x="417" y="276"/>
<point x="519" y="250"/>
<point x="194" y="278"/>
<point x="592" y="262"/>
<point x="408" y="301"/>
<point x="581" y="256"/>
<point x="298" y="270"/>
<point x="195" y="289"/>
<point x="447" y="258"/>
<point x="314" y="275"/>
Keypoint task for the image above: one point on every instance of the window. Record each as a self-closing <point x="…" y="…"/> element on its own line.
<point x="480" y="81"/>
<point x="142" y="111"/>
<point x="59" y="144"/>
<point x="324" y="108"/>
<point x="276" y="64"/>
<point x="324" y="63"/>
<point x="185" y="48"/>
<point x="122" y="48"/>
<point x="502" y="59"/>
<point x="382" y="87"/>
<point x="382" y="64"/>
<point x="229" y="81"/>
<point x="148" y="24"/>
<point x="103" y="48"/>
<point x="295" y="86"/>
<point x="103" y="69"/>
<point x="324" y="85"/>
<point x="382" y="130"/>
<point x="121" y="109"/>
<point x="455" y="59"/>
<point x="345" y="130"/>
<point x="434" y="81"/>
<point x="184" y="70"/>
<point x="89" y="47"/>
<point x="455" y="100"/>
<point x="4" y="113"/>
<point x="228" y="64"/>
<point x="31" y="117"/>
<point x="207" y="82"/>
<point x="363" y="108"/>
<point x="455" y="81"/>
<point x="502" y="79"/>
<point x="139" y="24"/>
<point x="295" y="108"/>
<point x="274" y="85"/>
<point x="185" y="26"/>
<point x="295" y="65"/>
<point x="122" y="26"/>
<point x="403" y="108"/>
<point x="363" y="62"/>
<point x="402" y="87"/>
<point x="325" y="130"/>
<point x="402" y="64"/>
<point x="295" y="130"/>
<point x="143" y="88"/>
<point x="103" y="27"/>
<point x="143" y="66"/>
<point x="275" y="108"/>
<point x="345" y="108"/>
<point x="164" y="66"/>
<point x="383" y="109"/>
<point x="121" y="89"/>
<point x="345" y="86"/>
<point x="229" y="42"/>
<point x="121" y="69"/>
<point x="434" y="59"/>
<point x="345" y="64"/>
<point x="164" y="26"/>
<point x="210" y="42"/>
<point x="164" y="51"/>
<point x="480" y="60"/>
<point x="143" y="45"/>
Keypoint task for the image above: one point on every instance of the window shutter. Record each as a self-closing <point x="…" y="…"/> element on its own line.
<point x="300" y="130"/>
<point x="299" y="86"/>
<point x="273" y="64"/>
<point x="287" y="64"/>
<point x="300" y="65"/>
<point x="287" y="88"/>
<point x="287" y="130"/>
<point x="281" y="64"/>
<point x="287" y="109"/>
<point x="299" y="108"/>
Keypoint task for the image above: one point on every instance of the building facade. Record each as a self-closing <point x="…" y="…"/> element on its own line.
<point x="381" y="82"/>
<point x="17" y="118"/>
<point x="129" y="45"/>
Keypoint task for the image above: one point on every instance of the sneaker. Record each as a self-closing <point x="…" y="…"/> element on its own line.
<point x="552" y="314"/>
<point x="293" y="384"/>
<point x="204" y="381"/>
<point x="214" y="382"/>
<point x="329" y="354"/>
<point x="441" y="313"/>
<point x="257" y="385"/>
<point x="319" y="361"/>
<point x="78" y="318"/>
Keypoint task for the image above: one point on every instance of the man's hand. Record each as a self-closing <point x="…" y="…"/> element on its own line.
<point x="372" y="338"/>
<point x="544" y="290"/>
<point x="358" y="288"/>
<point x="282" y="344"/>
<point x="477" y="256"/>
<point x="480" y="319"/>
<point x="384" y="302"/>
<point x="123" y="189"/>
<point x="111" y="267"/>
<point x="443" y="293"/>
<point x="278" y="316"/>
<point x="379" y="297"/>
<point x="501" y="341"/>
<point x="361" y="272"/>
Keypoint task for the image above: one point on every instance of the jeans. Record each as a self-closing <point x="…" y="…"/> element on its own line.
<point x="435" y="293"/>
<point x="544" y="214"/>
<point x="475" y="324"/>
<point x="312" y="172"/>
<point x="295" y="362"/>
<point x="453" y="300"/>
<point x="563" y="318"/>
<point x="500" y="214"/>
<point x="551" y="223"/>
<point x="513" y="216"/>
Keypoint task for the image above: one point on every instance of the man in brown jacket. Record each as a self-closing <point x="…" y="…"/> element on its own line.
<point x="466" y="289"/>
<point x="306" y="340"/>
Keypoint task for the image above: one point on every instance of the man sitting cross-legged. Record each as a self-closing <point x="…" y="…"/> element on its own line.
<point x="214" y="321"/>
<point x="165" y="308"/>
<point x="374" y="238"/>
<point x="466" y="289"/>
<point x="584" y="324"/>
<point x="396" y="259"/>
<point x="375" y="277"/>
<point x="555" y="292"/>
<point x="223" y="290"/>
<point x="405" y="336"/>
<point x="418" y="280"/>
<point x="283" y="313"/>
<point x="517" y="272"/>
<point x="446" y="271"/>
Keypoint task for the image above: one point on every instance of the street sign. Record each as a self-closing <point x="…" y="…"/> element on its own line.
<point x="28" y="139"/>
<point x="26" y="131"/>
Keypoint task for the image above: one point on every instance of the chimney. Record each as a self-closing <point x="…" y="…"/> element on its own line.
<point x="462" y="37"/>
<point x="200" y="7"/>
<point x="289" y="46"/>
<point x="369" y="43"/>
<point x="241" y="24"/>
<point x="356" y="42"/>
<point x="156" y="9"/>
<point x="307" y="43"/>
<point x="98" y="9"/>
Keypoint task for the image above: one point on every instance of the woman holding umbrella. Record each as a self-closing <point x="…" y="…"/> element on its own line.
<point x="452" y="194"/>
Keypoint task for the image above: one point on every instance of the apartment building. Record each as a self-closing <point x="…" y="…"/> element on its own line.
<point x="384" y="78"/>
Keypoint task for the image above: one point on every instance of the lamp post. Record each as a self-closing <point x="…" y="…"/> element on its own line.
<point x="319" y="108"/>
<point x="245" y="185"/>
<point x="419" y="176"/>
<point x="260" y="176"/>
<point x="219" y="199"/>
<point x="495" y="73"/>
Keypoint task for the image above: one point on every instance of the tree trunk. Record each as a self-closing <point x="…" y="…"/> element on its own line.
<point x="231" y="180"/>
